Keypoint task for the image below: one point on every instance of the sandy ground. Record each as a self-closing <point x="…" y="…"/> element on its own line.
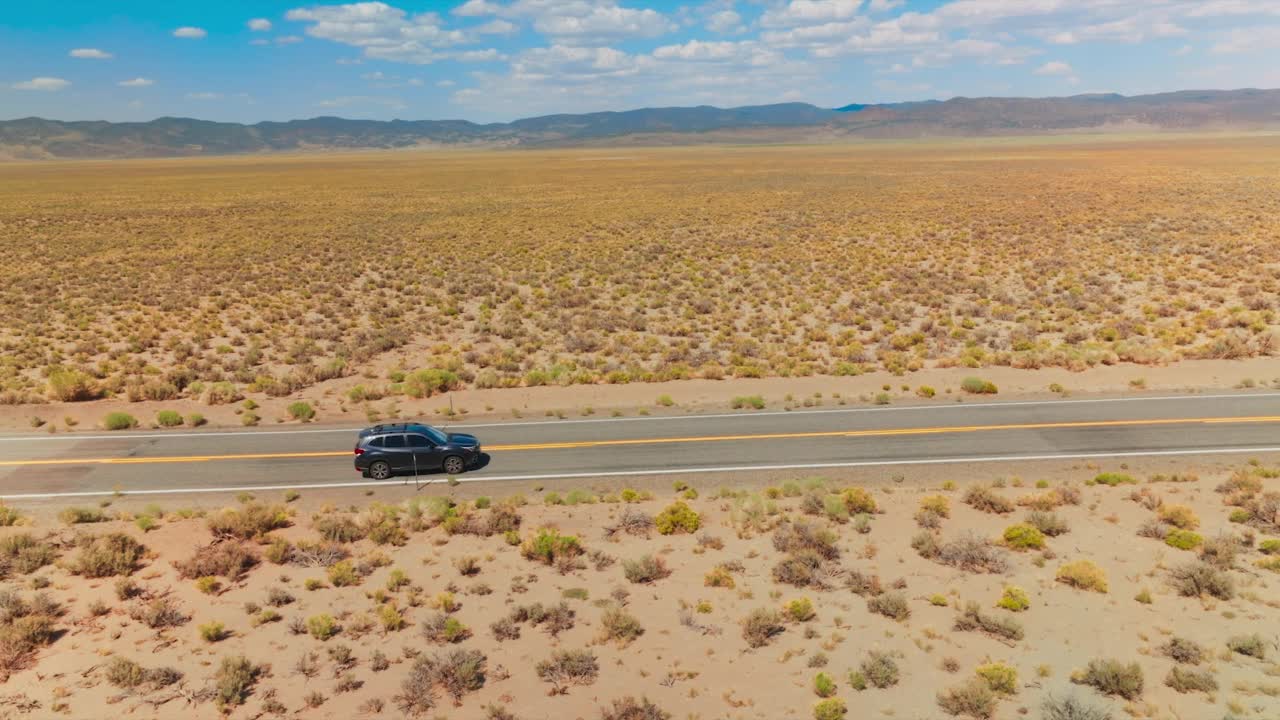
<point x="687" y="396"/>
<point x="706" y="672"/>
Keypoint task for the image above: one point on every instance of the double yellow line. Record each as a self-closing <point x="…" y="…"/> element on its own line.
<point x="581" y="444"/>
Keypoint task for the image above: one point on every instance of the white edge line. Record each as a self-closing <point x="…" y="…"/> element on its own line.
<point x="71" y="437"/>
<point x="649" y="473"/>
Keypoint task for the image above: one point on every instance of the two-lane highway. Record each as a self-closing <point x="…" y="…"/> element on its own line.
<point x="75" y="464"/>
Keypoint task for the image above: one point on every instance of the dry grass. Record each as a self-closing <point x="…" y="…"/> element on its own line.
<point x="242" y="277"/>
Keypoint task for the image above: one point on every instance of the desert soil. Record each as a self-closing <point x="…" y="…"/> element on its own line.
<point x="699" y="667"/>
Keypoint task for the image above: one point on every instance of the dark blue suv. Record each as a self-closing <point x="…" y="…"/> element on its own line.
<point x="413" y="448"/>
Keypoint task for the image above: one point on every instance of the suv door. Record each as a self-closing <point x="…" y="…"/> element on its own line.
<point x="425" y="452"/>
<point x="396" y="452"/>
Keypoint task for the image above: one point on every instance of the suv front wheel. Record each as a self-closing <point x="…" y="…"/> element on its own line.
<point x="454" y="465"/>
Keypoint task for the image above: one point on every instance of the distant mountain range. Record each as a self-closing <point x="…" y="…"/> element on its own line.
<point x="37" y="138"/>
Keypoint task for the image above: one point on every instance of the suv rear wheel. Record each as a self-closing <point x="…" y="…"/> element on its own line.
<point x="379" y="470"/>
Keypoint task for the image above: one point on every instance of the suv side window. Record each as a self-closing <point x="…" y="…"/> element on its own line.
<point x="418" y="441"/>
<point x="394" y="441"/>
<point x="376" y="442"/>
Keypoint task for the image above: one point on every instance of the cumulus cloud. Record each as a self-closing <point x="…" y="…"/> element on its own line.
<point x="1244" y="40"/>
<point x="498" y="27"/>
<point x="137" y="82"/>
<point x="190" y="33"/>
<point x="810" y="12"/>
<point x="45" y="84"/>
<point x="382" y="31"/>
<point x="204" y="96"/>
<point x="1055" y="68"/>
<point x="575" y="21"/>
<point x="90" y="54"/>
<point x="259" y="25"/>
<point x="725" y="21"/>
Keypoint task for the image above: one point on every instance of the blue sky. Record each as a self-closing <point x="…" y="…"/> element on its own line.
<point x="489" y="60"/>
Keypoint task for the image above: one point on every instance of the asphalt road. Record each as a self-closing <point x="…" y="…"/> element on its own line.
<point x="86" y="463"/>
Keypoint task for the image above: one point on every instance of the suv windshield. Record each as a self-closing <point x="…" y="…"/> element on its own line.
<point x="438" y="437"/>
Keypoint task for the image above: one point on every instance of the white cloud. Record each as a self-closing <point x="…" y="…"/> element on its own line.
<point x="190" y="33"/>
<point x="1055" y="68"/>
<point x="259" y="25"/>
<point x="446" y="84"/>
<point x="879" y="6"/>
<point x="382" y="31"/>
<point x="288" y="40"/>
<point x="498" y="27"/>
<point x="204" y="96"/>
<point x="1244" y="40"/>
<point x="137" y="82"/>
<point x="486" y="55"/>
<point x="603" y="23"/>
<point x="725" y="21"/>
<point x="90" y="54"/>
<point x="810" y="12"/>
<point x="46" y="84"/>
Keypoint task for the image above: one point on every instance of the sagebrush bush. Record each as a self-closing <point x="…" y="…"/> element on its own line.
<point x="629" y="708"/>
<point x="234" y="681"/>
<point x="830" y="709"/>
<point x="1014" y="599"/>
<point x="1186" y="680"/>
<point x="1112" y="479"/>
<point x="1084" y="575"/>
<point x="322" y="627"/>
<point x="1179" y="516"/>
<point x="107" y="555"/>
<point x="251" y="521"/>
<point x="978" y="386"/>
<point x="1071" y="708"/>
<point x="1023" y="536"/>
<point x="800" y="610"/>
<point x="973" y="700"/>
<point x="880" y="669"/>
<point x="761" y="626"/>
<point x="891" y="605"/>
<point x="1112" y="677"/>
<point x="1198" y="578"/>
<point x="618" y="625"/>
<point x="227" y="559"/>
<point x="1001" y="678"/>
<point x="568" y="667"/>
<point x="1251" y="645"/>
<point x="1183" y="650"/>
<point x="677" y="518"/>
<point x="971" y="618"/>
<point x="981" y="497"/>
<point x="1183" y="539"/>
<point x="646" y="569"/>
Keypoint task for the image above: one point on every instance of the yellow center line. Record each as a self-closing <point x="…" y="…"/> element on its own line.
<point x="672" y="440"/>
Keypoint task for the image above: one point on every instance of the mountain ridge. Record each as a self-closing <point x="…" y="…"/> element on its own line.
<point x="1244" y="109"/>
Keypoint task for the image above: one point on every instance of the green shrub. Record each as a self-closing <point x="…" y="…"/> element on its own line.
<point x="301" y="410"/>
<point x="107" y="555"/>
<point x="1023" y="537"/>
<point x="168" y="418"/>
<point x="213" y="632"/>
<point x="234" y="681"/>
<point x="973" y="699"/>
<point x="939" y="505"/>
<point x="195" y="420"/>
<point x="823" y="685"/>
<point x="119" y="421"/>
<point x="1183" y="539"/>
<point x="800" y="610"/>
<point x="549" y="545"/>
<point x="1186" y="680"/>
<point x="618" y="625"/>
<point x="1112" y="479"/>
<point x="755" y="402"/>
<point x="77" y="516"/>
<point x="208" y="585"/>
<point x="646" y="569"/>
<point x="677" y="518"/>
<point x="1112" y="677"/>
<point x="1083" y="574"/>
<point x="322" y="627"/>
<point x="568" y="667"/>
<point x="66" y="385"/>
<point x="879" y="669"/>
<point x="1251" y="645"/>
<point x="978" y="386"/>
<point x="251" y="521"/>
<point x="829" y="709"/>
<point x="858" y="500"/>
<point x="1014" y="599"/>
<point x="1179" y="516"/>
<point x="1000" y="677"/>
<point x="891" y="605"/>
<point x="760" y="627"/>
<point x="343" y="574"/>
